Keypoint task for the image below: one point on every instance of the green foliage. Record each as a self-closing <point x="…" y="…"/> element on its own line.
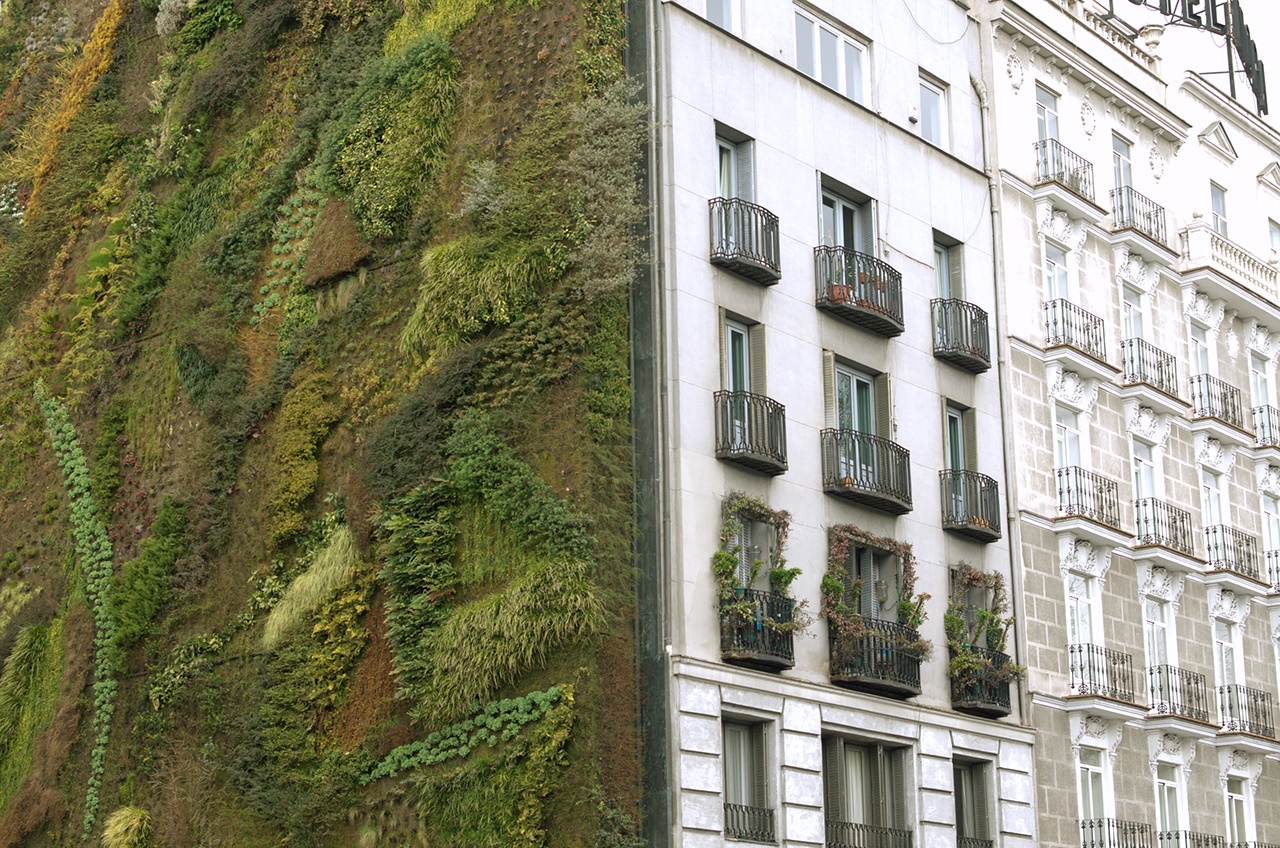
<point x="340" y="639"/>
<point x="222" y="83"/>
<point x="28" y="699"/>
<point x="142" y="588"/>
<point x="209" y="17"/>
<point x="499" y="721"/>
<point x="105" y="473"/>
<point x="127" y="827"/>
<point x="391" y="136"/>
<point x="328" y="572"/>
<point x="603" y="40"/>
<point x="304" y="420"/>
<point x="346" y="13"/>
<point x="13" y="597"/>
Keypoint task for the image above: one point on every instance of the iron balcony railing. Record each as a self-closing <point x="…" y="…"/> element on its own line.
<point x="1189" y="839"/>
<point x="877" y="655"/>
<point x="1245" y="710"/>
<point x="978" y="692"/>
<point x="971" y="504"/>
<point x="1138" y="212"/>
<point x="1159" y="523"/>
<point x="853" y="835"/>
<point x="744" y="239"/>
<point x="1087" y="495"/>
<point x="974" y="842"/>
<point x="1272" y="559"/>
<point x="859" y="288"/>
<point x="1115" y="833"/>
<point x="960" y="334"/>
<point x="754" y="638"/>
<point x="1178" y="692"/>
<point x="1227" y="549"/>
<point x="867" y="469"/>
<point x="1068" y="324"/>
<point x="1058" y="164"/>
<point x="1096" y="670"/>
<point x="1143" y="362"/>
<point x="751" y="823"/>
<point x="1253" y="845"/>
<point x="751" y="430"/>
<point x="1212" y="398"/>
<point x="1266" y="426"/>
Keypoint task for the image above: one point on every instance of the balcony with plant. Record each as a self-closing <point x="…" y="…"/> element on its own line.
<point x="977" y="625"/>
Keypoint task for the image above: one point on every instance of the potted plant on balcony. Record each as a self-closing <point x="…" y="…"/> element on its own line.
<point x="977" y="635"/>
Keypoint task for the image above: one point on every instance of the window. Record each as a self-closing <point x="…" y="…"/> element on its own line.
<point x="1122" y="162"/>
<point x="863" y="784"/>
<point x="1199" y="341"/>
<point x="1259" y="381"/>
<point x="723" y="13"/>
<point x="971" y="802"/>
<point x="1055" y="273"/>
<point x="829" y="56"/>
<point x="1080" y="593"/>
<point x="948" y="270"/>
<point x="1273" y="235"/>
<point x="746" y="804"/>
<point x="872" y="579"/>
<point x="1093" y="783"/>
<point x="857" y="403"/>
<point x="847" y="223"/>
<point x="1210" y="498"/>
<point x="1218" y="203"/>
<point x="1239" y="822"/>
<point x="1225" y="669"/>
<point x="735" y="175"/>
<point x="1066" y="438"/>
<point x="1157" y="631"/>
<point x="932" y="113"/>
<point x="1168" y="798"/>
<point x="1271" y="529"/>
<point x="1134" y="317"/>
<point x="1144" y="471"/>
<point x="961" y="446"/>
<point x="742" y="372"/>
<point x="1046" y="114"/>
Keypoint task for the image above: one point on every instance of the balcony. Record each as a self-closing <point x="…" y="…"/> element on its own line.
<point x="1150" y="375"/>
<point x="866" y="469"/>
<point x="960" y="334"/>
<point x="970" y="505"/>
<point x="748" y="635"/>
<point x="1266" y="433"/>
<point x="851" y="835"/>
<point x="980" y="695"/>
<point x="1076" y="339"/>
<point x="744" y="240"/>
<point x="1217" y="411"/>
<point x="1084" y="494"/>
<point x="1060" y="166"/>
<point x="876" y="656"/>
<point x="1233" y="562"/>
<point x="1140" y="224"/>
<point x="754" y="824"/>
<point x="1245" y="710"/>
<point x="1101" y="672"/>
<point x="1115" y="833"/>
<point x="1178" y="693"/>
<point x="751" y="430"/>
<point x="1189" y="839"/>
<point x="859" y="288"/>
<point x="1160" y="524"/>
<point x="1222" y="269"/>
<point x="1253" y="845"/>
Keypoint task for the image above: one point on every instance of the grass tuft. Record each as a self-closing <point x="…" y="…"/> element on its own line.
<point x="127" y="827"/>
<point x="331" y="570"/>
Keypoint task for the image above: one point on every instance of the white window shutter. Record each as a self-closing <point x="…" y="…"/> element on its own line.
<point x="755" y="341"/>
<point x="829" y="389"/>
<point x="955" y="270"/>
<point x="746" y="171"/>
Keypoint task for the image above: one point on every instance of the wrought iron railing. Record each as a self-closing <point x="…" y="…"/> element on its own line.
<point x="1212" y="398"/>
<point x="860" y="287"/>
<point x="876" y="654"/>
<point x="1266" y="426"/>
<point x="960" y="333"/>
<point x="974" y="842"/>
<point x="857" y="463"/>
<point x="1227" y="549"/>
<point x="1178" y="692"/>
<point x="970" y="503"/>
<point x="1132" y="210"/>
<point x="1068" y="324"/>
<point x="749" y="629"/>
<point x="1143" y="362"/>
<point x="1253" y="845"/>
<point x="752" y="823"/>
<point x="1159" y="523"/>
<point x="1189" y="839"/>
<point x="1272" y="559"/>
<point x="842" y="834"/>
<point x="1058" y="164"/>
<point x="744" y="238"/>
<point x="979" y="691"/>
<point x="1088" y="495"/>
<point x="751" y="428"/>
<point x="1116" y="833"/>
<point x="1245" y="710"/>
<point x="1096" y="670"/>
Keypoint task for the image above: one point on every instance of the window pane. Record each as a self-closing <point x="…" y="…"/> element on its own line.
<point x="804" y="44"/>
<point x="930" y="113"/>
<point x="853" y="74"/>
<point x="830" y="51"/>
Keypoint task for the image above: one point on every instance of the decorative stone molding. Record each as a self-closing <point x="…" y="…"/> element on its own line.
<point x="1169" y="747"/>
<point x="1095" y="732"/>
<point x="1088" y="118"/>
<point x="1224" y="605"/>
<point x="1259" y="339"/>
<point x="1233" y="338"/>
<point x="1145" y="423"/>
<point x="1213" y="455"/>
<point x="1070" y="389"/>
<point x="1080" y="556"/>
<point x="1156" y="160"/>
<point x="1057" y="225"/>
<point x="1013" y="67"/>
<point x="1155" y="581"/>
<point x="1270" y="177"/>
<point x="1198" y="305"/>
<point x="1133" y="270"/>
<point x="1215" y="138"/>
<point x="1232" y="762"/>
<point x="1268" y="478"/>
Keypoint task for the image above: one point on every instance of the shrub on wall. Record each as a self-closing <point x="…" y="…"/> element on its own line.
<point x="143" y="585"/>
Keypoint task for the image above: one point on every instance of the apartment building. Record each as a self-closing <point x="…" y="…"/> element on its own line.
<point x="1138" y="209"/>
<point x="833" y="467"/>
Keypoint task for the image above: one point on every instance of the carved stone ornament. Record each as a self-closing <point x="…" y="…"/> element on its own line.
<point x="1097" y="732"/>
<point x="1224" y="605"/>
<point x="1156" y="581"/>
<point x="1088" y="118"/>
<point x="1212" y="454"/>
<point x="1170" y="747"/>
<point x="1200" y="307"/>
<point x="1133" y="270"/>
<point x="1237" y="763"/>
<point x="1057" y="225"/>
<point x="1070" y="389"/>
<point x="1146" y="424"/>
<point x="1156" y="160"/>
<point x="1082" y="557"/>
<point x="1013" y="67"/>
<point x="1259" y="339"/>
<point x="1233" y="338"/>
<point x="1268" y="478"/>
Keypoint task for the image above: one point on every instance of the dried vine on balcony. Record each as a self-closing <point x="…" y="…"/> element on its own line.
<point x="991" y="624"/>
<point x="843" y="617"/>
<point x="736" y="508"/>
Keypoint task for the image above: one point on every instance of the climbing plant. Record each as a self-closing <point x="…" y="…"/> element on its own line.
<point x="970" y="628"/>
<point x="840" y="602"/>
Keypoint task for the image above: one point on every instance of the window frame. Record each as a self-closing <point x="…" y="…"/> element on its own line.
<point x="1067" y="438"/>
<point x="1169" y="783"/>
<point x="1121" y="162"/>
<point x="1047" y="115"/>
<point x="1226" y="637"/>
<point x="971" y="789"/>
<point x="1198" y="341"/>
<point x="1242" y="829"/>
<point x="1213" y="500"/>
<point x="734" y="10"/>
<point x="1056" y="273"/>
<point x="1133" y="310"/>
<point x="844" y="42"/>
<point x="1086" y="600"/>
<point x="1218" y="209"/>
<point x="1152" y="462"/>
<point x="888" y="804"/>
<point x="755" y="780"/>
<point x="1102" y="769"/>
<point x="1273" y="236"/>
<point x="939" y="89"/>
<point x="1260" y="384"/>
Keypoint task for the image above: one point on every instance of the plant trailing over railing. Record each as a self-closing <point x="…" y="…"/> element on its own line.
<point x="842" y="613"/>
<point x="94" y="553"/>
<point x="987" y="624"/>
<point x="736" y="508"/>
